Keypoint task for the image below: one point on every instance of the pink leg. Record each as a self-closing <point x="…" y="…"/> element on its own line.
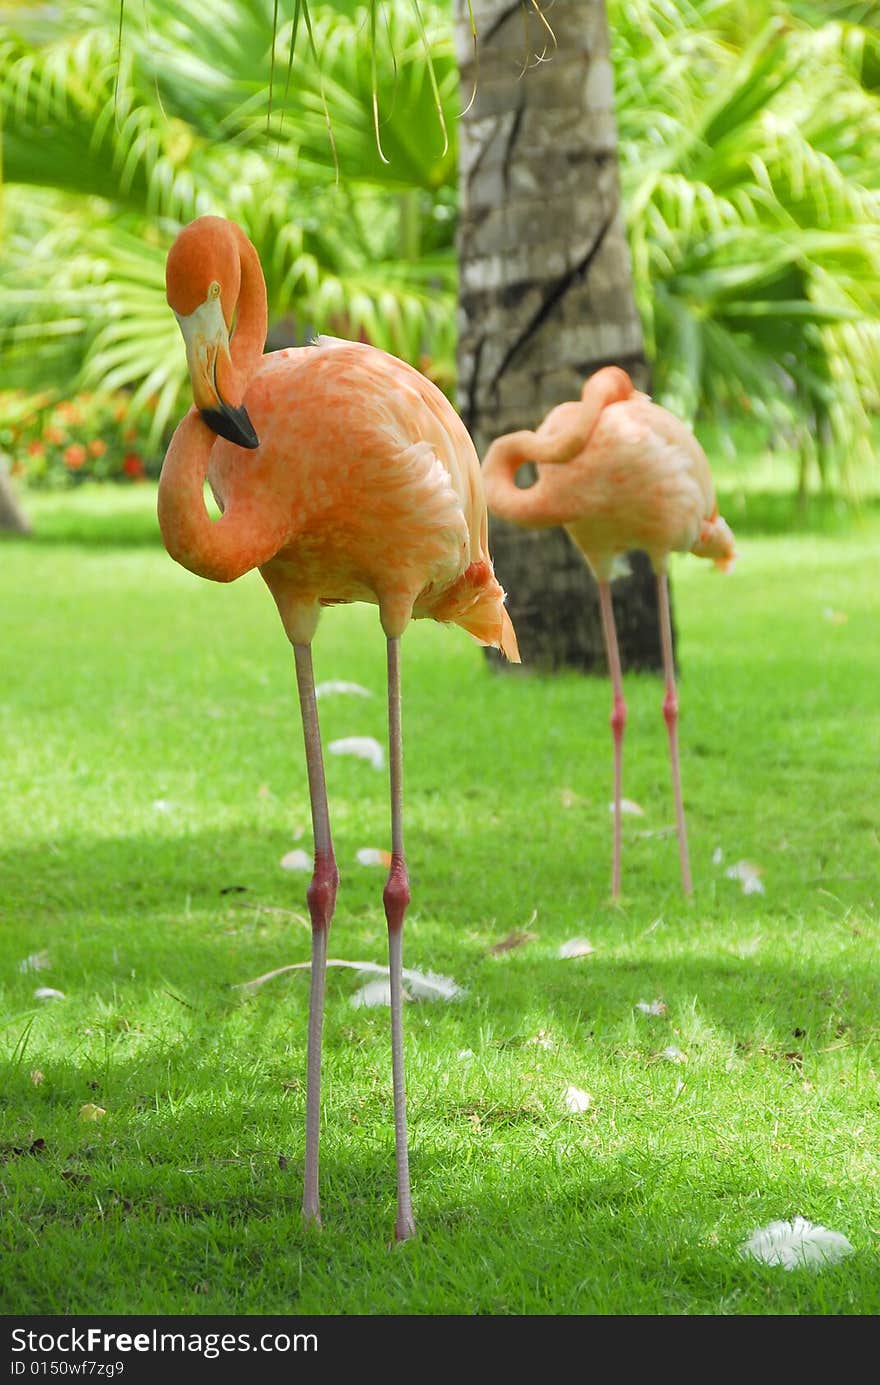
<point x="395" y="899"/>
<point x="670" y="714"/>
<point x="618" y="719"/>
<point x="321" y="897"/>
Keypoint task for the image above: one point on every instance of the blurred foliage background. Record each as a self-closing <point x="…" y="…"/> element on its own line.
<point x="750" y="162"/>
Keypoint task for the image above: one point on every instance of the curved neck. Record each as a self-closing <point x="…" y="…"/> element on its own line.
<point x="251" y="324"/>
<point x="220" y="549"/>
<point x="564" y="434"/>
<point x="503" y="496"/>
<point x="187" y="530"/>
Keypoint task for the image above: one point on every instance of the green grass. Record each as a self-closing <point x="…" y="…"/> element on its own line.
<point x="152" y="778"/>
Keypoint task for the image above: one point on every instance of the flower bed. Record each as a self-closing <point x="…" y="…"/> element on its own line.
<point x="85" y="438"/>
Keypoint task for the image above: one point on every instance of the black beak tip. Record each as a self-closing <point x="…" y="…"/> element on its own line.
<point x="232" y="424"/>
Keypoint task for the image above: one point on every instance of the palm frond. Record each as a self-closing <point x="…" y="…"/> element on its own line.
<point x="65" y="125"/>
<point x="750" y="173"/>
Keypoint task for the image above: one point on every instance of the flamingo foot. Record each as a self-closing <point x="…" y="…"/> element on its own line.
<point x="395" y="898"/>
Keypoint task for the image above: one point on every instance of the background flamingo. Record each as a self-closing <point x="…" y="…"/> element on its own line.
<point x="359" y="482"/>
<point x="618" y="473"/>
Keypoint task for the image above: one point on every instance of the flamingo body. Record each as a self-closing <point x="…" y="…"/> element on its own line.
<point x="643" y="482"/>
<point x="342" y="474"/>
<point x="618" y="472"/>
<point x="367" y="487"/>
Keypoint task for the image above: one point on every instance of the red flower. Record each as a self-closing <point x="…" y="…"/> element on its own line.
<point x="53" y="434"/>
<point x="97" y="447"/>
<point x="74" y="456"/>
<point x="36" y="449"/>
<point x="133" y="466"/>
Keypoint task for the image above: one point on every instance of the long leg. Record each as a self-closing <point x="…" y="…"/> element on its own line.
<point x="618" y="719"/>
<point x="395" y="899"/>
<point x="670" y="714"/>
<point x="321" y="897"/>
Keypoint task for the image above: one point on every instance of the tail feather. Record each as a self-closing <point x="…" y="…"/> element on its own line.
<point x="476" y="603"/>
<point x="716" y="541"/>
<point x="508" y="642"/>
<point x="491" y="626"/>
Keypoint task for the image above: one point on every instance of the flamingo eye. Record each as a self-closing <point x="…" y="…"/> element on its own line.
<point x="214" y="290"/>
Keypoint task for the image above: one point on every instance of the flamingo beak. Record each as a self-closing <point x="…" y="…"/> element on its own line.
<point x="232" y="423"/>
<point x="207" y="340"/>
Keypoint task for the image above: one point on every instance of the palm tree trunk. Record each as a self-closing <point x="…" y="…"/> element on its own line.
<point x="545" y="292"/>
<point x="12" y="519"/>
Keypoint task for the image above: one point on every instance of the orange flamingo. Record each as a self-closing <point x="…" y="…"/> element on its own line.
<point x="359" y="482"/>
<point x="618" y="473"/>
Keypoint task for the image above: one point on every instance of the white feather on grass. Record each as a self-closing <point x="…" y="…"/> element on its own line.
<point x="672" y="1054"/>
<point x="577" y="1100"/>
<point x="430" y="985"/>
<point x="298" y="859"/>
<point x="576" y="947"/>
<point x="418" y="985"/>
<point x="375" y="992"/>
<point x="749" y="876"/>
<point x="651" y="1007"/>
<point x="363" y="747"/>
<point x="797" y="1244"/>
<point x="48" y="993"/>
<point x="373" y="856"/>
<point x="335" y="685"/>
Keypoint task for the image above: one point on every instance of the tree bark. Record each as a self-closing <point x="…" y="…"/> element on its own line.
<point x="12" y="518"/>
<point x="545" y="293"/>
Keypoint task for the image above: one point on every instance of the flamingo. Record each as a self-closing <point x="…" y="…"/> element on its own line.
<point x="343" y="474"/>
<point x="618" y="472"/>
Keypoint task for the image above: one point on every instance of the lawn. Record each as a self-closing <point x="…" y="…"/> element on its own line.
<point x="152" y="780"/>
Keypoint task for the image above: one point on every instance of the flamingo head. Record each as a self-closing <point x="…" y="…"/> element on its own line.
<point x="203" y="279"/>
